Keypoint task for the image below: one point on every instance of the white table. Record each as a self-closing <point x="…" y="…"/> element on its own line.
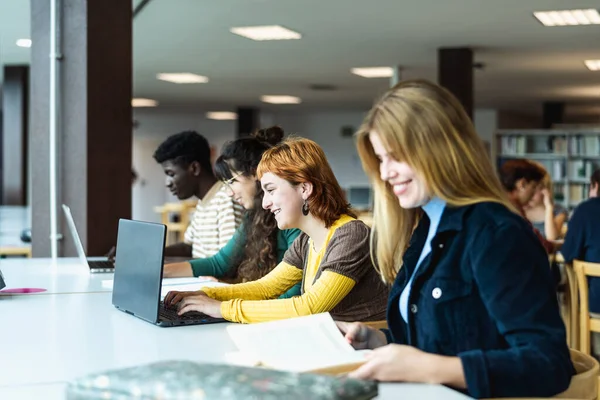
<point x="48" y="340"/>
<point x="66" y="275"/>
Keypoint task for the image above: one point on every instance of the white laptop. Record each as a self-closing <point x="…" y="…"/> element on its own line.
<point x="96" y="264"/>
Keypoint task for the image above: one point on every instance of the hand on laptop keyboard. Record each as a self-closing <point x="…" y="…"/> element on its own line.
<point x="173" y="297"/>
<point x="200" y="302"/>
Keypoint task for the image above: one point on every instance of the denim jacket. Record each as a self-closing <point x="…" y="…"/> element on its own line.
<point x="485" y="294"/>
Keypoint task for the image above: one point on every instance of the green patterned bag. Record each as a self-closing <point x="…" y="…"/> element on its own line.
<point x="170" y="380"/>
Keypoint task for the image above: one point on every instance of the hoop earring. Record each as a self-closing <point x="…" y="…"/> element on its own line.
<point x="305" y="208"/>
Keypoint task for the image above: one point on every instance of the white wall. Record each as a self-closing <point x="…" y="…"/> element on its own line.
<point x="325" y="129"/>
<point x="155" y="125"/>
<point x="486" y="123"/>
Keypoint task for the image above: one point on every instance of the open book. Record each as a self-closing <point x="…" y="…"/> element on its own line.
<point x="304" y="344"/>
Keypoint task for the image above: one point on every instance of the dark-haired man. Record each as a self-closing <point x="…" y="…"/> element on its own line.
<point x="520" y="179"/>
<point x="185" y="159"/>
<point x="582" y="241"/>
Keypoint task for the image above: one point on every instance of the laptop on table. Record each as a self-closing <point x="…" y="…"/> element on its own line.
<point x="138" y="276"/>
<point x="96" y="264"/>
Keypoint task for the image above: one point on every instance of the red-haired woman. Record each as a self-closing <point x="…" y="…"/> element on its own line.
<point x="331" y="258"/>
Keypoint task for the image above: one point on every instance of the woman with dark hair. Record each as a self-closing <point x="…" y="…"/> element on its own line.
<point x="258" y="245"/>
<point x="331" y="257"/>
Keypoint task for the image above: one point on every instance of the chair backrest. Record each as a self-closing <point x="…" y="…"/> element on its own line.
<point x="377" y="324"/>
<point x="584" y="384"/>
<point x="582" y="271"/>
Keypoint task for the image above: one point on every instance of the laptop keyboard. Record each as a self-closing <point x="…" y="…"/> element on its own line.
<point x="170" y="313"/>
<point x="101" y="264"/>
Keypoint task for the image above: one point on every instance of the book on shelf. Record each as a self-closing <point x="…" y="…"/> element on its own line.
<point x="581" y="169"/>
<point x="584" y="145"/>
<point x="304" y="344"/>
<point x="578" y="193"/>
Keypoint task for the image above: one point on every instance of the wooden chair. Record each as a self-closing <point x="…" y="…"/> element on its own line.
<point x="377" y="324"/>
<point x="587" y="322"/>
<point x="584" y="384"/>
<point x="568" y="299"/>
<point x="570" y="306"/>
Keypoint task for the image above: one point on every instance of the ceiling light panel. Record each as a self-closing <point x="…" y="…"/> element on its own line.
<point x="268" y="32"/>
<point x="281" y="99"/>
<point x="183" y="77"/>
<point x="221" y="115"/>
<point x="593" y="65"/>
<point x="568" y="17"/>
<point x="374" y="72"/>
<point x="141" y="102"/>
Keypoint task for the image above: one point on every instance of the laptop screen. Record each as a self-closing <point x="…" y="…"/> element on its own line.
<point x="138" y="268"/>
<point x="74" y="234"/>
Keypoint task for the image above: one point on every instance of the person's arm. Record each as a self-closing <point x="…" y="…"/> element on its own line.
<point x="572" y="248"/>
<point x="514" y="281"/>
<point x="220" y="264"/>
<point x="559" y="221"/>
<point x="550" y="230"/>
<point x="548" y="245"/>
<point x="296" y="290"/>
<point x="178" y="250"/>
<point x="323" y="296"/>
<point x="343" y="264"/>
<point x="276" y="282"/>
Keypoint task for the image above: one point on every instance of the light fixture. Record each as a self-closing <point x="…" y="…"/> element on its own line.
<point x="593" y="65"/>
<point x="281" y="99"/>
<point x="141" y="102"/>
<point x="183" y="77"/>
<point x="373" y="72"/>
<point x="268" y="32"/>
<point x="24" y="42"/>
<point x="221" y="115"/>
<point x="588" y="16"/>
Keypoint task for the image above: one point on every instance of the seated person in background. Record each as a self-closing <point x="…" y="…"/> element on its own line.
<point x="185" y="159"/>
<point x="582" y="241"/>
<point x="331" y="258"/>
<point x="258" y="245"/>
<point x="472" y="304"/>
<point x="520" y="179"/>
<point x="545" y="216"/>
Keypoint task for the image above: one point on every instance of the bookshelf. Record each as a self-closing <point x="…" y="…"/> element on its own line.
<point x="569" y="155"/>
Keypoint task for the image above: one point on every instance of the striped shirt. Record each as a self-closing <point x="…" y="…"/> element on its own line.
<point x="214" y="222"/>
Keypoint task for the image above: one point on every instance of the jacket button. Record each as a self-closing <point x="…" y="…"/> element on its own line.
<point x="436" y="293"/>
<point x="413" y="308"/>
<point x="441" y="245"/>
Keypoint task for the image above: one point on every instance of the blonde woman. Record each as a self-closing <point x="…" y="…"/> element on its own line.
<point x="545" y="216"/>
<point x="472" y="304"/>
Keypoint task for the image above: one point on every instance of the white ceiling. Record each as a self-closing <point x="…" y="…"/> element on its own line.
<point x="526" y="63"/>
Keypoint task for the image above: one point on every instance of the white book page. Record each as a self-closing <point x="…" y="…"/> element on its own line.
<point x="296" y="344"/>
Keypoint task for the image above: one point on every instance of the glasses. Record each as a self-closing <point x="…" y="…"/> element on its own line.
<point x="230" y="181"/>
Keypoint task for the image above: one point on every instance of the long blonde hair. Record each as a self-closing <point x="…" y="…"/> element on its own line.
<point x="424" y="125"/>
